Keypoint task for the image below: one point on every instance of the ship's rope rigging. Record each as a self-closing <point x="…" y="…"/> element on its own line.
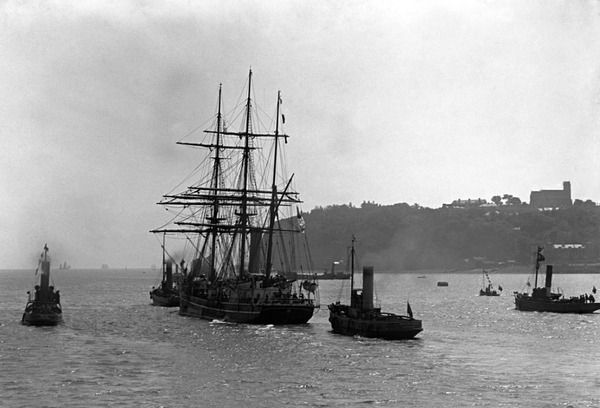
<point x="228" y="167"/>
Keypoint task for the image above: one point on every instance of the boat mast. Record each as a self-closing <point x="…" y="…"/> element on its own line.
<point x="45" y="277"/>
<point x="274" y="204"/>
<point x="352" y="268"/>
<point x="163" y="256"/>
<point x="245" y="168"/>
<point x="214" y="220"/>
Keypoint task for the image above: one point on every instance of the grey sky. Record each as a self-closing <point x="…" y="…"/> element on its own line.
<point x="417" y="101"/>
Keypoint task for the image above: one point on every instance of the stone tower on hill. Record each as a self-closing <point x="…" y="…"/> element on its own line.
<point x="552" y="199"/>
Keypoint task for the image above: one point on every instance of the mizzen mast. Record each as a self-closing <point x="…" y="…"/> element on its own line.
<point x="274" y="204"/>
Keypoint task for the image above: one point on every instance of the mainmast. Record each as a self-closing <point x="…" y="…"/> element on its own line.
<point x="274" y="203"/>
<point x="214" y="220"/>
<point x="245" y="169"/>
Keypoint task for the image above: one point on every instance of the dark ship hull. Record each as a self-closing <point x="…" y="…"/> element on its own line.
<point x="381" y="325"/>
<point x="542" y="299"/>
<point x="488" y="293"/>
<point x="292" y="312"/>
<point x="160" y="298"/>
<point x="528" y="303"/>
<point x="363" y="319"/>
<point x="42" y="314"/>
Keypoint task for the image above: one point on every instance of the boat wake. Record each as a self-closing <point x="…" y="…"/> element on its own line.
<point x="217" y="321"/>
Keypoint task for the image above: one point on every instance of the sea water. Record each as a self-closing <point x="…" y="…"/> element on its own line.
<point x="115" y="349"/>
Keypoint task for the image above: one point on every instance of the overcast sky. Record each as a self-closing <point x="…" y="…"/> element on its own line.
<point x="386" y="101"/>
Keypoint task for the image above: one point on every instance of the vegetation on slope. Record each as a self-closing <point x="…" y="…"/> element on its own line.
<point x="402" y="236"/>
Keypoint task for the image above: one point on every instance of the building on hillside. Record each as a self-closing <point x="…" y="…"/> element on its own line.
<point x="468" y="203"/>
<point x="570" y="252"/>
<point x="552" y="199"/>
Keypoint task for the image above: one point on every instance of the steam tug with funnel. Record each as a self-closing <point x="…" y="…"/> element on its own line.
<point x="167" y="294"/>
<point x="239" y="219"/>
<point x="363" y="319"/>
<point x="43" y="307"/>
<point x="542" y="299"/>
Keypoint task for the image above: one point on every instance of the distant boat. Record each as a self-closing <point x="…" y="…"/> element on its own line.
<point x="43" y="309"/>
<point x="543" y="300"/>
<point x="333" y="274"/>
<point x="64" y="266"/>
<point x="104" y="266"/>
<point x="442" y="283"/>
<point x="248" y="253"/>
<point x="487" y="289"/>
<point x="363" y="319"/>
<point x="167" y="294"/>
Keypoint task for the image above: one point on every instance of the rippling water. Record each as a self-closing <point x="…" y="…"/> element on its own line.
<point x="115" y="349"/>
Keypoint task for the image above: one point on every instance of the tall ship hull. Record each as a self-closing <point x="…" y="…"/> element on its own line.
<point x="239" y="229"/>
<point x="239" y="312"/>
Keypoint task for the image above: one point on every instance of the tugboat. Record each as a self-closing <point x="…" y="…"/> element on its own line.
<point x="363" y="319"/>
<point x="488" y="290"/>
<point x="544" y="300"/>
<point x="250" y="261"/>
<point x="167" y="294"/>
<point x="44" y="308"/>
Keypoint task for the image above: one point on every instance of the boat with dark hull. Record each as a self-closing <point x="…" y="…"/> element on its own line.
<point x="363" y="319"/>
<point x="487" y="289"/>
<point x="249" y="261"/>
<point x="167" y="294"/>
<point x="542" y="299"/>
<point x="43" y="308"/>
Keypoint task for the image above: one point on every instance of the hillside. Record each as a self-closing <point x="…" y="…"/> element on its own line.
<point x="401" y="236"/>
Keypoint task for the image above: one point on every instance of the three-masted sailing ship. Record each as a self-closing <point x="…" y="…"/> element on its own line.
<point x="43" y="306"/>
<point x="248" y="258"/>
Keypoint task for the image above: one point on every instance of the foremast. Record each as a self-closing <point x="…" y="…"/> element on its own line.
<point x="214" y="220"/>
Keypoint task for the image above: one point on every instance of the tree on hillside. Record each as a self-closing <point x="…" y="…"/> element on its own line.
<point x="514" y="201"/>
